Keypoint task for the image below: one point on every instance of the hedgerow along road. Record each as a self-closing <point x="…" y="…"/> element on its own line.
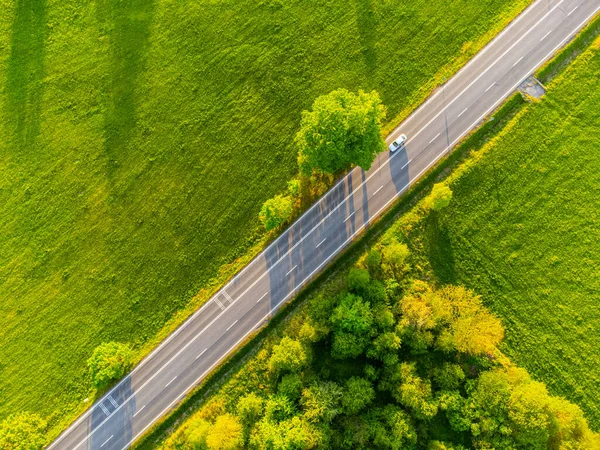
<point x="188" y="355"/>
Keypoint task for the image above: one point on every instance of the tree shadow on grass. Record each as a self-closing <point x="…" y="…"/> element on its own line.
<point x="437" y="247"/>
<point x="128" y="22"/>
<point x="367" y="24"/>
<point x="25" y="72"/>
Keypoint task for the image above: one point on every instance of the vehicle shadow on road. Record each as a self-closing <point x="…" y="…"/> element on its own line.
<point x="399" y="169"/>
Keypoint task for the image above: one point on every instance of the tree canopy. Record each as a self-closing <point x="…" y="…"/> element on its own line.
<point x="22" y="431"/>
<point x="389" y="363"/>
<point x="342" y="129"/>
<point x="276" y="211"/>
<point x="110" y="361"/>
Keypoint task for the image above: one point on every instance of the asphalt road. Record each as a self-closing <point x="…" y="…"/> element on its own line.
<point x="162" y="379"/>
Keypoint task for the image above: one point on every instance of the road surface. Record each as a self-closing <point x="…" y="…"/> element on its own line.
<point x="162" y="379"/>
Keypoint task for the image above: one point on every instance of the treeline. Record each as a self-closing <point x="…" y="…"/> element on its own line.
<point x="387" y="363"/>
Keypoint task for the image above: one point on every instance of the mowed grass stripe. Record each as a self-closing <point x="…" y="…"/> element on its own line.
<point x="139" y="140"/>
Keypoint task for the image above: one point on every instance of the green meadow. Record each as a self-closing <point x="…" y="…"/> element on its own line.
<point x="523" y="231"/>
<point x="139" y="139"/>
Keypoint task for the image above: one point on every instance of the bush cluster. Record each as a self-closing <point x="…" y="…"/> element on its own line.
<point x="388" y="363"/>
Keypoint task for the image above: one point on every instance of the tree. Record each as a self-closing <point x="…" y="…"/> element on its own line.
<point x="415" y="393"/>
<point x="250" y="408"/>
<point x="294" y="188"/>
<point x="385" y="347"/>
<point x="358" y="394"/>
<point x="276" y="211"/>
<point x="352" y="321"/>
<point x="390" y="428"/>
<point x="225" y="434"/>
<point x="373" y="262"/>
<point x="289" y="355"/>
<point x="322" y="401"/>
<point x="292" y="434"/>
<point x="395" y="254"/>
<point x="197" y="433"/>
<point x="343" y="128"/>
<point x="22" y="431"/>
<point x="439" y="198"/>
<point x="290" y="386"/>
<point x="449" y="377"/>
<point x="110" y="361"/>
<point x="279" y="407"/>
<point x="358" y="280"/>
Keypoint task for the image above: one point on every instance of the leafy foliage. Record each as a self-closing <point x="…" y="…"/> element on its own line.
<point x="342" y="129"/>
<point x="522" y="232"/>
<point x="110" y="361"/>
<point x="439" y="198"/>
<point x="22" y="431"/>
<point x="276" y="211"/>
<point x="289" y="355"/>
<point x="420" y="369"/>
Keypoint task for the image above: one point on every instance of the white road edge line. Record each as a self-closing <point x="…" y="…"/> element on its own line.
<point x="464" y="111"/>
<point x="229" y="327"/>
<point x="139" y="411"/>
<point x="263" y="296"/>
<point x="518" y="61"/>
<point x="569" y="36"/>
<point x="469" y="129"/>
<point x="471" y="61"/>
<point x="291" y="270"/>
<point x="319" y="244"/>
<point x="201" y="353"/>
<point x="104" y="443"/>
<point x="436" y="136"/>
<point x="173" y="379"/>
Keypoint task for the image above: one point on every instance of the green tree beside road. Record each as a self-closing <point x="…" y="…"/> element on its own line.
<point x="341" y="130"/>
<point x="276" y="211"/>
<point x="110" y="361"/>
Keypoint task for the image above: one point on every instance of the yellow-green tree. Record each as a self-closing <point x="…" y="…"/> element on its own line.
<point x="225" y="434"/>
<point x="110" y="361"/>
<point x="22" y="431"/>
<point x="276" y="211"/>
<point x="342" y="129"/>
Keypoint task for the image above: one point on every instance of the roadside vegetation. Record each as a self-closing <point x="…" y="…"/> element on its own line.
<point x="140" y="139"/>
<point x="514" y="222"/>
<point x="523" y="231"/>
<point x="379" y="360"/>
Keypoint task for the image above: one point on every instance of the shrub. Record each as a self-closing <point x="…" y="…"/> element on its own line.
<point x="276" y="211"/>
<point x="23" y="431"/>
<point x="439" y="198"/>
<point x="110" y="361"/>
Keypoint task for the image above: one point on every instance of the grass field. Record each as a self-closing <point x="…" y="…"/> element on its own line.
<point x="139" y="139"/>
<point x="523" y="231"/>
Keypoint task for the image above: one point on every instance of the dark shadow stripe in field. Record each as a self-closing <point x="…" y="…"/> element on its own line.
<point x="25" y="72"/>
<point x="128" y="24"/>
